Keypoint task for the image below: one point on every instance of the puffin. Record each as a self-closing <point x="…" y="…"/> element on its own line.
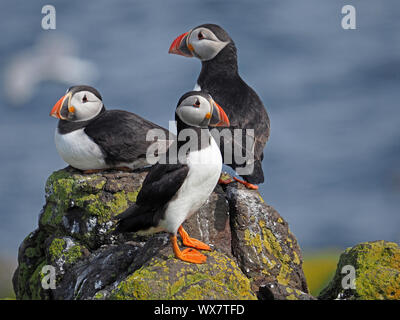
<point x="220" y="77"/>
<point x="176" y="188"/>
<point x="90" y="138"/>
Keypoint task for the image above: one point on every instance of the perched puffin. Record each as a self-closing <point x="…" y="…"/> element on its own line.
<point x="174" y="190"/>
<point x="91" y="138"/>
<point x="220" y="77"/>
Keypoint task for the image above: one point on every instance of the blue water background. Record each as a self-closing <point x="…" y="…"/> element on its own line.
<point x="332" y="164"/>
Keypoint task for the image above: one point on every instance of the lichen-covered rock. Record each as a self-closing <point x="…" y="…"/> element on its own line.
<point x="164" y="277"/>
<point x="276" y="291"/>
<point x="75" y="220"/>
<point x="211" y="222"/>
<point x="83" y="205"/>
<point x="252" y="246"/>
<point x="377" y="273"/>
<point x="261" y="241"/>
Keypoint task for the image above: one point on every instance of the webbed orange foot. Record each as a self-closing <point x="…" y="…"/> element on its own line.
<point x="188" y="255"/>
<point x="191" y="242"/>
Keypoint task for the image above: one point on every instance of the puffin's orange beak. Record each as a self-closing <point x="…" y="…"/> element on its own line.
<point x="219" y="117"/>
<point x="179" y="46"/>
<point x="55" y="112"/>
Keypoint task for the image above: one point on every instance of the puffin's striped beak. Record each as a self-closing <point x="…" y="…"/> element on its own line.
<point x="56" y="111"/>
<point x="179" y="46"/>
<point x="219" y="117"/>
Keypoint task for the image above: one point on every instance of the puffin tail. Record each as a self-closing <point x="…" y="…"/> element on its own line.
<point x="135" y="218"/>
<point x="127" y="221"/>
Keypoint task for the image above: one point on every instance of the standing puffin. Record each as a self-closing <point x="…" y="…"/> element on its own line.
<point x="220" y="77"/>
<point x="91" y="138"/>
<point x="172" y="191"/>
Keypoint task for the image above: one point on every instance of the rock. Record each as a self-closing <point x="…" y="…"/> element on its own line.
<point x="261" y="241"/>
<point x="164" y="277"/>
<point x="83" y="205"/>
<point x="252" y="246"/>
<point x="276" y="291"/>
<point x="211" y="222"/>
<point x="377" y="273"/>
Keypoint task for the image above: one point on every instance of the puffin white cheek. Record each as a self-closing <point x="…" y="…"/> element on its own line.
<point x="190" y="115"/>
<point x="207" y="49"/>
<point x="87" y="111"/>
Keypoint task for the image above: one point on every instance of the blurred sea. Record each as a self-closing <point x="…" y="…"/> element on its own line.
<point x="333" y="161"/>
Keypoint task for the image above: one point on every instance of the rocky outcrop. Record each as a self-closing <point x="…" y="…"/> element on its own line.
<point x="277" y="291"/>
<point x="375" y="275"/>
<point x="254" y="253"/>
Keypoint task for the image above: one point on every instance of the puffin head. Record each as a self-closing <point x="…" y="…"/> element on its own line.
<point x="203" y="42"/>
<point x="198" y="109"/>
<point x="80" y="103"/>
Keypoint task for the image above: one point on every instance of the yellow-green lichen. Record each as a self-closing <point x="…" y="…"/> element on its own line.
<point x="219" y="278"/>
<point x="66" y="190"/>
<point x="377" y="266"/>
<point x="73" y="254"/>
<point x="57" y="249"/>
<point x="36" y="290"/>
<point x="284" y="275"/>
<point x="296" y="259"/>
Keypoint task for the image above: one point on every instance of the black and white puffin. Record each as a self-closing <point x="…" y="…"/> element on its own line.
<point x="220" y="77"/>
<point x="90" y="138"/>
<point x="174" y="190"/>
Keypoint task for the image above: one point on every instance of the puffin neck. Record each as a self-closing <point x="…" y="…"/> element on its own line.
<point x="203" y="135"/>
<point x="65" y="126"/>
<point x="223" y="64"/>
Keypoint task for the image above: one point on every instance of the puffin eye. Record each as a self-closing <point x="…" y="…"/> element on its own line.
<point x="84" y="99"/>
<point x="200" y="36"/>
<point x="197" y="104"/>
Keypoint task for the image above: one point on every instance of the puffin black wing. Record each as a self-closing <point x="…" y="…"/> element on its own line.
<point x="121" y="135"/>
<point x="159" y="187"/>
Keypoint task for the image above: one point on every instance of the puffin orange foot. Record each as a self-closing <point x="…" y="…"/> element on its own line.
<point x="246" y="184"/>
<point x="92" y="171"/>
<point x="191" y="242"/>
<point x="192" y="256"/>
<point x="188" y="255"/>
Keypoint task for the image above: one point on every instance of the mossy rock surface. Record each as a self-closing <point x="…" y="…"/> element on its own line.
<point x="165" y="277"/>
<point x="251" y="243"/>
<point x="83" y="205"/>
<point x="262" y="242"/>
<point x="76" y="219"/>
<point x="377" y="273"/>
<point x="277" y="291"/>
